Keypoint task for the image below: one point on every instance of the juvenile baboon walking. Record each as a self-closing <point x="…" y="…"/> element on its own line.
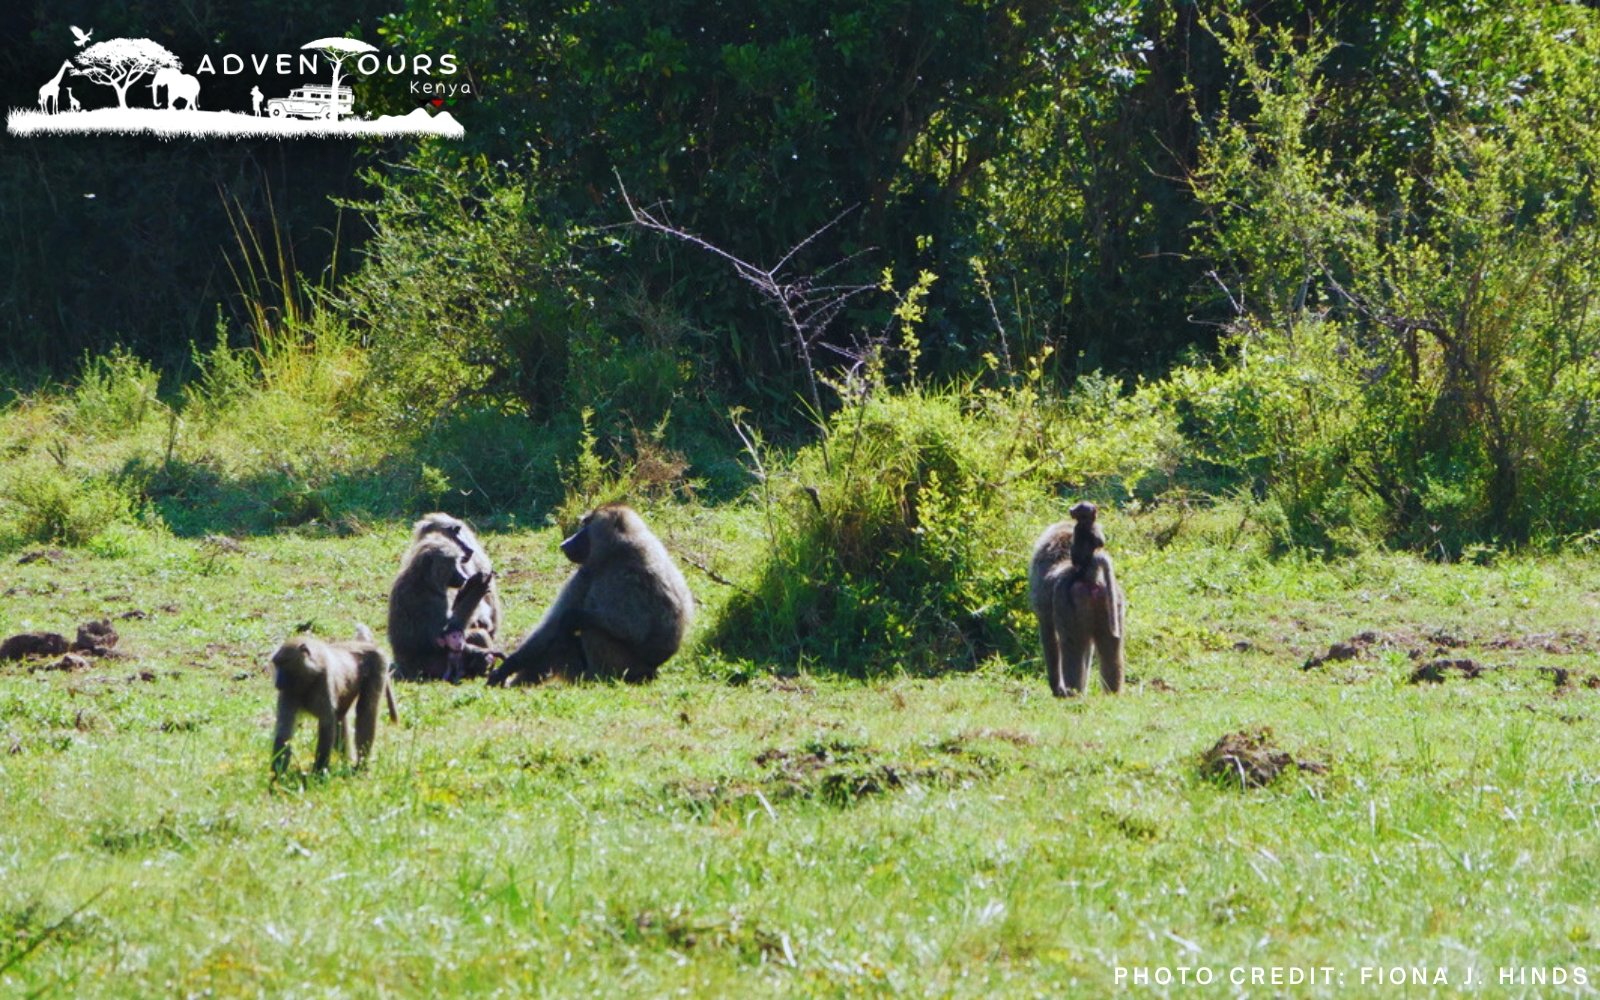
<point x="622" y="614"/>
<point x="434" y="573"/>
<point x="324" y="679"/>
<point x="1078" y="602"/>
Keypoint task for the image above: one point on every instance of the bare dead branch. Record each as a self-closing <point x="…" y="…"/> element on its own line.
<point x="807" y="306"/>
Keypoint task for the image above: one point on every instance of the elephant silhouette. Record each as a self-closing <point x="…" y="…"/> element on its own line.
<point x="180" y="87"/>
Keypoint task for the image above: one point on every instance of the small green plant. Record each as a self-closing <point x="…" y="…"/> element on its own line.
<point x="50" y="505"/>
<point x="115" y="393"/>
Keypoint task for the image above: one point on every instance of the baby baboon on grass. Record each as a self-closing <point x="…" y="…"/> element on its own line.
<point x="324" y="679"/>
<point x="1078" y="602"/>
<point x="622" y="614"/>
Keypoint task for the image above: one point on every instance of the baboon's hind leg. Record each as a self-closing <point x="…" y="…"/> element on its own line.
<point x="1108" y="637"/>
<point x="374" y="685"/>
<point x="609" y="657"/>
<point x="1052" y="654"/>
<point x="1073" y="636"/>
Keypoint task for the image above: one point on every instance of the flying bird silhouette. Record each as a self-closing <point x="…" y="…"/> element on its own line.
<point x="79" y="35"/>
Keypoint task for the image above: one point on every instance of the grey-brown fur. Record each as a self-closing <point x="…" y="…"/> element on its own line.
<point x="1087" y="539"/>
<point x="475" y="559"/>
<point x="324" y="680"/>
<point x="1080" y="607"/>
<point x="622" y="614"/>
<point x="438" y="564"/>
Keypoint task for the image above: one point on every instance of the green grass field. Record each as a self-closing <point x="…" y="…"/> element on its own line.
<point x="731" y="831"/>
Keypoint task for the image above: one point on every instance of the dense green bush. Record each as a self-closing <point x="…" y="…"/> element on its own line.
<point x="1414" y="352"/>
<point x="900" y="540"/>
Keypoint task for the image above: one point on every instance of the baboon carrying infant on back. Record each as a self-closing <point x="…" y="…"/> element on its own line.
<point x="1079" y="605"/>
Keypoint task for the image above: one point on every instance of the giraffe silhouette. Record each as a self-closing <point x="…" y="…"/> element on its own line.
<point x="72" y="102"/>
<point x="50" y="93"/>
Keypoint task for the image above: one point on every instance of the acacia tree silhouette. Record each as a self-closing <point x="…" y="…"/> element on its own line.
<point x="119" y="62"/>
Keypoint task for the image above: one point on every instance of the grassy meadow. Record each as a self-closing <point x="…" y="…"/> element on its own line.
<point x="1303" y="295"/>
<point x="738" y="831"/>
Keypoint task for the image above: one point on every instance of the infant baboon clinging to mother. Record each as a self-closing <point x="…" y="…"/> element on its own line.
<point x="1078" y="602"/>
<point x="325" y="679"/>
<point x="621" y="615"/>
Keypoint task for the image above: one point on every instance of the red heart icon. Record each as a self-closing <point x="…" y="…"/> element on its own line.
<point x="438" y="102"/>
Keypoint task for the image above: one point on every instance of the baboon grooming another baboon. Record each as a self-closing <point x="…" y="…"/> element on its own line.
<point x="622" y="614"/>
<point x="443" y="556"/>
<point x="475" y="559"/>
<point x="1078" y="603"/>
<point x="325" y="679"/>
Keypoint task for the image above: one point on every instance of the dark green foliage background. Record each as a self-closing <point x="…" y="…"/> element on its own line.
<point x="1351" y="245"/>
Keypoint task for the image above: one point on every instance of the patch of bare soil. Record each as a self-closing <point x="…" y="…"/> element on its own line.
<point x="842" y="773"/>
<point x="1249" y="759"/>
<point x="683" y="930"/>
<point x="94" y="639"/>
<point x="1417" y="645"/>
<point x="69" y="663"/>
<point x="1565" y="678"/>
<point x="1554" y="643"/>
<point x="1436" y="671"/>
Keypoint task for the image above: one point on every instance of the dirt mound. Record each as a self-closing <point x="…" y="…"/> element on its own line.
<point x="96" y="638"/>
<point x="1435" y="671"/>
<point x="27" y="644"/>
<point x="1249" y="759"/>
<point x="1566" y="678"/>
<point x="1554" y="643"/>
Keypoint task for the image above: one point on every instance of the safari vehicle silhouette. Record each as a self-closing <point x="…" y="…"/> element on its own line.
<point x="313" y="101"/>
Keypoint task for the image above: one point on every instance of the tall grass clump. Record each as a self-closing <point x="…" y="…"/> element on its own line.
<point x="898" y="542"/>
<point x="1415" y="353"/>
<point x="60" y="484"/>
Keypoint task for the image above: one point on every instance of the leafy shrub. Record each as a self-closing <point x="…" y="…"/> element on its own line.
<point x="900" y="540"/>
<point x="114" y="394"/>
<point x="48" y="505"/>
<point x="1413" y="354"/>
<point x="465" y="295"/>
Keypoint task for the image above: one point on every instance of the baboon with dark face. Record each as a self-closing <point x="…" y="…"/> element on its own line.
<point x="1079" y="604"/>
<point x="324" y="679"/>
<point x="622" y="614"/>
<point x="423" y="599"/>
<point x="475" y="559"/>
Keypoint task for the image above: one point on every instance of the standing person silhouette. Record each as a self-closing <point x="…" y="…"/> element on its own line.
<point x="255" y="100"/>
